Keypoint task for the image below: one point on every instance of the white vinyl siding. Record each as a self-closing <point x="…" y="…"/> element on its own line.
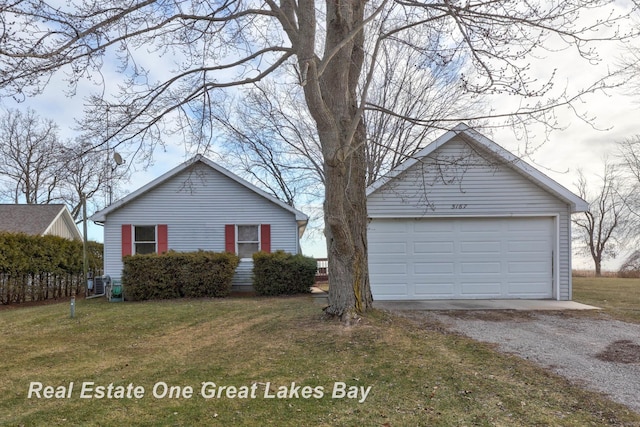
<point x="461" y="180"/>
<point x="196" y="204"/>
<point x="474" y="184"/>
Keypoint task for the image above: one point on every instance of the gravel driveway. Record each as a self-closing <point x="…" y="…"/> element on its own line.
<point x="599" y="354"/>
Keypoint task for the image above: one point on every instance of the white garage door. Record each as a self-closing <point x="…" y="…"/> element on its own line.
<point x="461" y="258"/>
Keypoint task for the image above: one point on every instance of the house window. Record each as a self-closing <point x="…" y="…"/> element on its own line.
<point x="144" y="239"/>
<point x="248" y="240"/>
<point x="245" y="240"/>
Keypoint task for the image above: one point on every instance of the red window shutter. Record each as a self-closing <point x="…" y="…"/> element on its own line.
<point x="230" y="238"/>
<point x="126" y="240"/>
<point x="163" y="238"/>
<point x="265" y="237"/>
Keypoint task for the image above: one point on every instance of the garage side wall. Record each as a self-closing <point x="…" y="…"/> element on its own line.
<point x="461" y="180"/>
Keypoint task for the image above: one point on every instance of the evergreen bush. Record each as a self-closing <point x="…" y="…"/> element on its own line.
<point x="178" y="274"/>
<point x="281" y="273"/>
<point x="34" y="268"/>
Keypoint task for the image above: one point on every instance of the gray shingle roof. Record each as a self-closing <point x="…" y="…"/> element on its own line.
<point x="29" y="219"/>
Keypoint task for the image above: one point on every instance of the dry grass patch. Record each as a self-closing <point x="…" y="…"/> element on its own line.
<point x="418" y="373"/>
<point x="619" y="298"/>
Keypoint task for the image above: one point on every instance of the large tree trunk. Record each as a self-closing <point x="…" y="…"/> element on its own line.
<point x="345" y="215"/>
<point x="330" y="87"/>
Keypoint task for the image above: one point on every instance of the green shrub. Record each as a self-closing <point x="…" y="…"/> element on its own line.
<point x="210" y="274"/>
<point x="34" y="268"/>
<point x="280" y="273"/>
<point x="178" y="274"/>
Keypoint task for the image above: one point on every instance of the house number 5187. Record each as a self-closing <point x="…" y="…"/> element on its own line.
<point x="459" y="206"/>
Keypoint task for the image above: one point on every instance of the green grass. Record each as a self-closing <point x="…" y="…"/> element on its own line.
<point x="618" y="298"/>
<point x="419" y="374"/>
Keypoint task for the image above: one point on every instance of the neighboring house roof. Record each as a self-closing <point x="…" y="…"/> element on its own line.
<point x="101" y="216"/>
<point x="473" y="137"/>
<point x="38" y="220"/>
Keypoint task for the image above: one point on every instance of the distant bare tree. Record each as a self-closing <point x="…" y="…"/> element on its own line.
<point x="37" y="167"/>
<point x="629" y="154"/>
<point x="601" y="230"/>
<point x="30" y="158"/>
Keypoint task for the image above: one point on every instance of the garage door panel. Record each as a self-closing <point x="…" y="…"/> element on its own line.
<point x="480" y="289"/>
<point x="527" y="289"/>
<point x="438" y="289"/>
<point x="481" y="247"/>
<point x="480" y="267"/>
<point x="462" y="258"/>
<point x="443" y="227"/>
<point x="529" y="246"/>
<point x="433" y="247"/>
<point x="388" y="248"/>
<point x="472" y="226"/>
<point x="528" y="225"/>
<point x="434" y="268"/>
<point x="396" y="291"/>
<point x="389" y="268"/>
<point x="530" y="267"/>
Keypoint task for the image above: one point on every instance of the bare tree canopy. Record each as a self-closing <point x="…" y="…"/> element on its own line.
<point x="630" y="63"/>
<point x="629" y="155"/>
<point x="30" y="162"/>
<point x="603" y="230"/>
<point x="223" y="44"/>
<point x="37" y="167"/>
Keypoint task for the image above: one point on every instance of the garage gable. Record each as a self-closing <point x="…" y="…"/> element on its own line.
<point x="463" y="173"/>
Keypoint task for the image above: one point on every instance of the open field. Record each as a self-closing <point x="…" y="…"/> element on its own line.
<point x="397" y="371"/>
<point x="619" y="298"/>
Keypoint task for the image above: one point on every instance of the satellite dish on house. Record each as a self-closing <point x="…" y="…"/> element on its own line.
<point x="118" y="159"/>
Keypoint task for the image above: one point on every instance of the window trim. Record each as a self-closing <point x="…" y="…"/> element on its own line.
<point x="238" y="241"/>
<point x="134" y="242"/>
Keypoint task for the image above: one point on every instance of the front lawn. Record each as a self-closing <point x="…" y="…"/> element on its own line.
<point x="267" y="361"/>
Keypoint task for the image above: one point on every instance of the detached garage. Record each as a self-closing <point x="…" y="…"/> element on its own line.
<point x="466" y="219"/>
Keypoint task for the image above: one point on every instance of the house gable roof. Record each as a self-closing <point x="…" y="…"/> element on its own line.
<point x="101" y="216"/>
<point x="35" y="220"/>
<point x="473" y="137"/>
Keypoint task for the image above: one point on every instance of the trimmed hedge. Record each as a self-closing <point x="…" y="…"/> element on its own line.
<point x="178" y="274"/>
<point x="281" y="273"/>
<point x="34" y="268"/>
